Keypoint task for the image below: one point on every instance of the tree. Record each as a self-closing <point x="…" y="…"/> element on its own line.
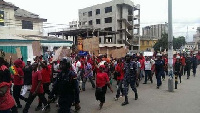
<point x="163" y="43"/>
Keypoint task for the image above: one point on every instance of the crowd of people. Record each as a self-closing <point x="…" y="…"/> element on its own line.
<point x="69" y="76"/>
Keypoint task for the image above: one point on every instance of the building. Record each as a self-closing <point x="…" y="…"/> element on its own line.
<point x="147" y="44"/>
<point x="120" y="16"/>
<point x="196" y="39"/>
<point x="154" y="31"/>
<point x="19" y="28"/>
<point x="190" y="46"/>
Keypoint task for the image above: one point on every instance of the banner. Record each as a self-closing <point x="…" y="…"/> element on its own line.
<point x="19" y="54"/>
<point x="36" y="48"/>
<point x="148" y="54"/>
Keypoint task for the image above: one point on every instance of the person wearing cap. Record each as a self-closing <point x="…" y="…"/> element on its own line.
<point x="178" y="67"/>
<point x="102" y="81"/>
<point x="27" y="76"/>
<point x="130" y="74"/>
<point x="159" y="69"/>
<point x="194" y="64"/>
<point x="188" y="63"/>
<point x="18" y="82"/>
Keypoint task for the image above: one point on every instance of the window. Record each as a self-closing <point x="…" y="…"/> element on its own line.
<point x="108" y="29"/>
<point x="100" y="40"/>
<point x="84" y="13"/>
<point x="108" y="9"/>
<point x="27" y="24"/>
<point x="1" y="18"/>
<point x="89" y="13"/>
<point x="108" y="20"/>
<point x="98" y="21"/>
<point x="97" y="11"/>
<point x="90" y="22"/>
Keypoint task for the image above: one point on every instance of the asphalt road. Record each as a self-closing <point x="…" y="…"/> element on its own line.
<point x="185" y="99"/>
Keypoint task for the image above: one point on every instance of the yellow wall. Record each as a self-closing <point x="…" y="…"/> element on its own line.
<point x="144" y="44"/>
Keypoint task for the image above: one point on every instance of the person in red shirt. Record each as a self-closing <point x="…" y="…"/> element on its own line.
<point x="36" y="89"/>
<point x="45" y="72"/>
<point x="7" y="102"/>
<point x="141" y="60"/>
<point x="102" y="81"/>
<point x="183" y="63"/>
<point x="120" y="76"/>
<point x="18" y="83"/>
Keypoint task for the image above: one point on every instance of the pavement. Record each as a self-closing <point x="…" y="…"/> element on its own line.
<point x="185" y="99"/>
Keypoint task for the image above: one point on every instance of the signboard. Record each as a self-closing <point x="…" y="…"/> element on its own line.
<point x="36" y="48"/>
<point x="1" y="18"/>
<point x="91" y="44"/>
<point x="148" y="53"/>
<point x="19" y="54"/>
<point x="119" y="53"/>
<point x="57" y="54"/>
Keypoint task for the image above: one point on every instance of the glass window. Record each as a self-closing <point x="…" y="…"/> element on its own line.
<point x="108" y="9"/>
<point x="27" y="24"/>
<point x="108" y="20"/>
<point x="98" y="21"/>
<point x="89" y="13"/>
<point x="97" y="11"/>
<point x="90" y="22"/>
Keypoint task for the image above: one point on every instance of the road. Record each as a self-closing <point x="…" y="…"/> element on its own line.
<point x="185" y="99"/>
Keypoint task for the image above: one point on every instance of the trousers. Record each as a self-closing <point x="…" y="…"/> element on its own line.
<point x="126" y="84"/>
<point x="65" y="104"/>
<point x="16" y="93"/>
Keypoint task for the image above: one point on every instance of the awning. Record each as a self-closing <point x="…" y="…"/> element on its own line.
<point x="57" y="44"/>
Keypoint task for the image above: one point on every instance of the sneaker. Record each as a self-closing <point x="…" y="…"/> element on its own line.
<point x="125" y="103"/>
<point x="116" y="98"/>
<point x="157" y="87"/>
<point x="38" y="108"/>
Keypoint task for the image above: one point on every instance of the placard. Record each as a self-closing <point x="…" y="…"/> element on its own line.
<point x="91" y="44"/>
<point x="65" y="53"/>
<point x="36" y="48"/>
<point x="148" y="53"/>
<point x="10" y="56"/>
<point x="119" y="53"/>
<point x="57" y="54"/>
<point x="19" y="55"/>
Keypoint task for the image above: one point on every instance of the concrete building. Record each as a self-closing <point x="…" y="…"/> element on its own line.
<point x="147" y="44"/>
<point x="19" y="28"/>
<point x="190" y="46"/>
<point x="154" y="31"/>
<point x="120" y="16"/>
<point x="196" y="39"/>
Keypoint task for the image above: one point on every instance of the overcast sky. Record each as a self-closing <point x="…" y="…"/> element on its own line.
<point x="185" y="12"/>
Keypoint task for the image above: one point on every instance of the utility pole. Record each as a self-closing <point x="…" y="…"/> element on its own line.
<point x="170" y="48"/>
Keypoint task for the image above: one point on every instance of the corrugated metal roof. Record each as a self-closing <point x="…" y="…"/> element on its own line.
<point x="24" y="13"/>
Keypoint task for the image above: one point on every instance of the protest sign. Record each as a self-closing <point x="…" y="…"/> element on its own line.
<point x="57" y="54"/>
<point x="36" y="48"/>
<point x="18" y="51"/>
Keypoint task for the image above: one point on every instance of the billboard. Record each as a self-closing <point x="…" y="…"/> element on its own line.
<point x="1" y="18"/>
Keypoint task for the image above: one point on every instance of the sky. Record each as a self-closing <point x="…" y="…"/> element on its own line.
<point x="59" y="13"/>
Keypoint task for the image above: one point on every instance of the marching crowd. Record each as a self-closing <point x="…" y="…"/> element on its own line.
<point x="69" y="76"/>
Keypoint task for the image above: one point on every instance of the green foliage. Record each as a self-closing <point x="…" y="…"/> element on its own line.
<point x="163" y="42"/>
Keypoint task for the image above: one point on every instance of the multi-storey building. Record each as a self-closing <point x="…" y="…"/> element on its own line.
<point x="120" y="16"/>
<point x="196" y="39"/>
<point x="154" y="31"/>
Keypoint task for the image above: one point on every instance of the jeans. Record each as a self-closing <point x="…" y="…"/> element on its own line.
<point x="30" y="100"/>
<point x="85" y="80"/>
<point x="119" y="83"/>
<point x="16" y="93"/>
<point x="158" y="77"/>
<point x="148" y="74"/>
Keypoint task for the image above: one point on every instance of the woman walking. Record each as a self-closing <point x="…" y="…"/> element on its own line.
<point x="102" y="81"/>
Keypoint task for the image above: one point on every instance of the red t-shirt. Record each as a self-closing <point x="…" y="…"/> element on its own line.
<point x="142" y="63"/>
<point x="36" y="77"/>
<point x="6" y="101"/>
<point x="46" y="75"/>
<point x="119" y="68"/>
<point x="183" y="61"/>
<point x="101" y="79"/>
<point x="18" y="80"/>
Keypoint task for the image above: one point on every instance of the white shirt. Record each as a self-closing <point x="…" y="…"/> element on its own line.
<point x="78" y="65"/>
<point x="147" y="65"/>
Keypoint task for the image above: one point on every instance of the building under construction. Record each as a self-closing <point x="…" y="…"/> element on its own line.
<point x="116" y="23"/>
